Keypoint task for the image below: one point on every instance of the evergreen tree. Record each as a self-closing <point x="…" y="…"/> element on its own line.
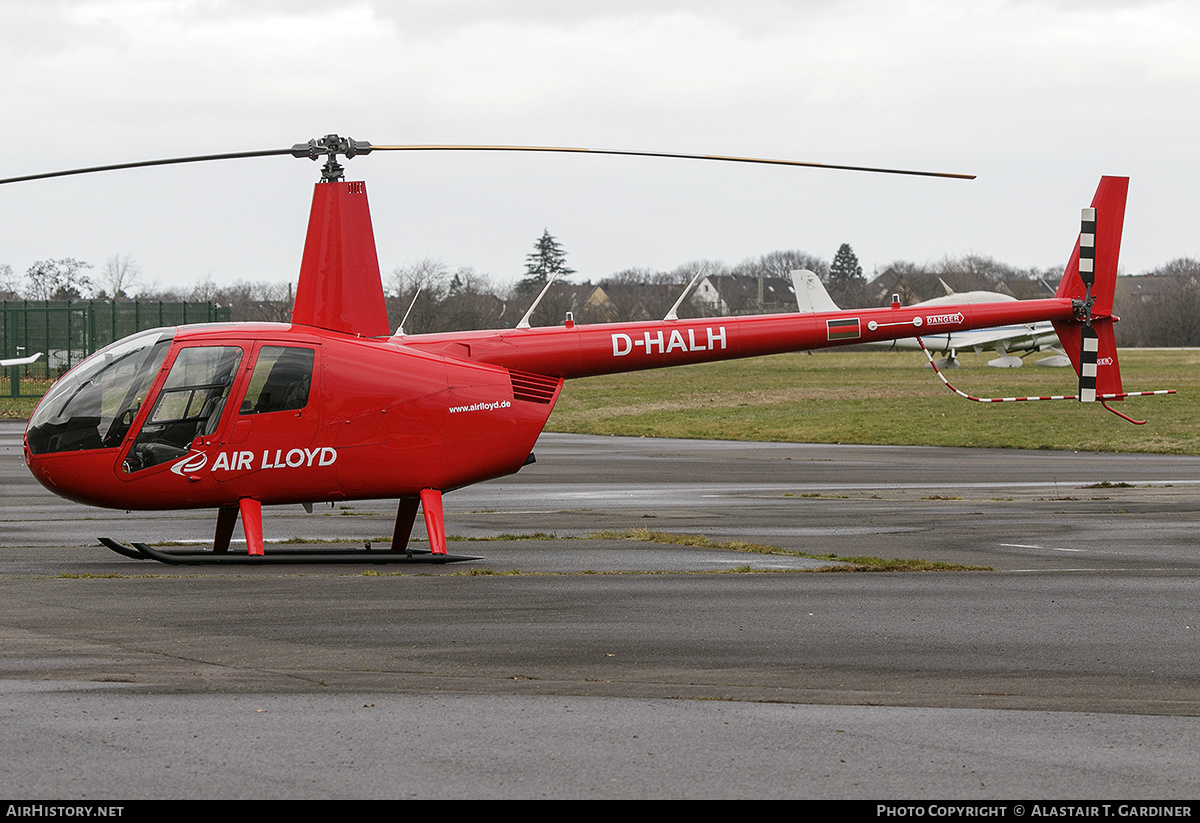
<point x="847" y="286"/>
<point x="845" y="267"/>
<point x="546" y="260"/>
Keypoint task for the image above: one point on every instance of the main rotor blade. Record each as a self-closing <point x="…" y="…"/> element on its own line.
<point x="313" y="150"/>
<point x="719" y="157"/>
<point x="233" y="155"/>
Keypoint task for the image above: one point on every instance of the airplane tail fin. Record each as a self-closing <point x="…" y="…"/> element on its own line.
<point x="811" y="295"/>
<point x="1090" y="280"/>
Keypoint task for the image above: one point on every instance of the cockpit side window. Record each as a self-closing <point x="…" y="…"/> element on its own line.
<point x="281" y="381"/>
<point x="188" y="406"/>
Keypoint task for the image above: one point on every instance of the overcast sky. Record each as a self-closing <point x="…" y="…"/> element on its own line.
<point x="1039" y="99"/>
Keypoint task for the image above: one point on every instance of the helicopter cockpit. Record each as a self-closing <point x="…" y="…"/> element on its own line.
<point x="93" y="406"/>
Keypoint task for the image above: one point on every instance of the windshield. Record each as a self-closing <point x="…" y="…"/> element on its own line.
<point x="93" y="405"/>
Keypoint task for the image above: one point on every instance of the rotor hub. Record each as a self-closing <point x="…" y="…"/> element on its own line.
<point x="329" y="147"/>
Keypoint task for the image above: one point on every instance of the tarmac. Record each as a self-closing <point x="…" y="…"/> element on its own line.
<point x="582" y="658"/>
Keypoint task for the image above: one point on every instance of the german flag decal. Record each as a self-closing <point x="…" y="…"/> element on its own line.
<point x="847" y="329"/>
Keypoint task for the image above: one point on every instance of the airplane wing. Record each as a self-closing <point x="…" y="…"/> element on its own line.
<point x="1035" y="337"/>
<point x="1004" y="340"/>
<point x="20" y="361"/>
<point x="811" y="296"/>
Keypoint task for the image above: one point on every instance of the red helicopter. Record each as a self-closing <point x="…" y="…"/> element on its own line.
<point x="334" y="406"/>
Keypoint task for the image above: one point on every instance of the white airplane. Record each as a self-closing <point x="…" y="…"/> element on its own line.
<point x="20" y="361"/>
<point x="811" y="296"/>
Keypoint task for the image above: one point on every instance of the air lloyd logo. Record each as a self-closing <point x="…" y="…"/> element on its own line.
<point x="943" y="319"/>
<point x="658" y="342"/>
<point x="246" y="461"/>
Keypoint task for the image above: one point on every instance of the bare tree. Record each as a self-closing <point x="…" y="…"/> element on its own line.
<point x="58" y="279"/>
<point x="971" y="272"/>
<point x="9" y="283"/>
<point x="626" y="292"/>
<point x="471" y="302"/>
<point x="1161" y="308"/>
<point x="204" y="290"/>
<point x="900" y="277"/>
<point x="120" y="275"/>
<point x="259" y="300"/>
<point x="427" y="282"/>
<point x="782" y="263"/>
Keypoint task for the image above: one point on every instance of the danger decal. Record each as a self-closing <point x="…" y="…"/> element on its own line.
<point x="943" y="319"/>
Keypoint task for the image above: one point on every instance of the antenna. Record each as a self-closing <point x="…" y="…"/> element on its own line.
<point x="524" y="324"/>
<point x="671" y="315"/>
<point x="407" y="313"/>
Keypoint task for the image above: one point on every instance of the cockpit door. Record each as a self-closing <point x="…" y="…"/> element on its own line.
<point x="190" y="405"/>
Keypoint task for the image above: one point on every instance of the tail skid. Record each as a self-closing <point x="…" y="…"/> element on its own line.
<point x="1102" y="398"/>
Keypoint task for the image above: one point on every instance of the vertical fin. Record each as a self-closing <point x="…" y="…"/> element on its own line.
<point x="1090" y="279"/>
<point x="1108" y="220"/>
<point x="340" y="287"/>
<point x="811" y="295"/>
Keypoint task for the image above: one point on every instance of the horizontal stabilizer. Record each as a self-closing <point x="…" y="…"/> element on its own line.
<point x="20" y="361"/>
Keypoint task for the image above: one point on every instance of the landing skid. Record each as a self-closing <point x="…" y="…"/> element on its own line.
<point x="199" y="557"/>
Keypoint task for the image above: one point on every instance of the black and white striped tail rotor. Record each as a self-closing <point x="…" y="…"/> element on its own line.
<point x="1089" y="348"/>
<point x="1087" y="249"/>
<point x="1089" y="341"/>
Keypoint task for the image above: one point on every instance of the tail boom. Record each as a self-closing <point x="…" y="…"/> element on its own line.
<point x="586" y="350"/>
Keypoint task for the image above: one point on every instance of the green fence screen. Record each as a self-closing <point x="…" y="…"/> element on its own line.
<point x="68" y="331"/>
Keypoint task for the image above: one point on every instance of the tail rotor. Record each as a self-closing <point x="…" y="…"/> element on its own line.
<point x="1090" y="283"/>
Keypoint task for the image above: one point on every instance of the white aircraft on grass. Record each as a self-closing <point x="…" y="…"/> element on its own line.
<point x="811" y="296"/>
